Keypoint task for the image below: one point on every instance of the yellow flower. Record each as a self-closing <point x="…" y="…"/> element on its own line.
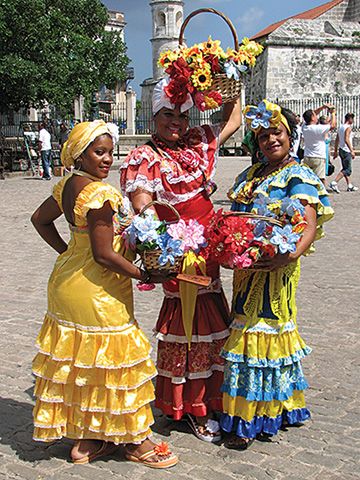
<point x="201" y="78"/>
<point x="194" y="57"/>
<point x="251" y="47"/>
<point x="210" y="103"/>
<point x="168" y="57"/>
<point x="212" y="47"/>
<point x="230" y="53"/>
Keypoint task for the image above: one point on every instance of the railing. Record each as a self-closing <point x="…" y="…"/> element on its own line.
<point x="343" y="104"/>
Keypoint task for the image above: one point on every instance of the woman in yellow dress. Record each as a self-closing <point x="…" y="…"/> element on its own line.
<point x="93" y="369"/>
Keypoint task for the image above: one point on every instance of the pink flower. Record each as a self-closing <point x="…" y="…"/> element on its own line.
<point x="145" y="287"/>
<point x="243" y="261"/>
<point x="191" y="234"/>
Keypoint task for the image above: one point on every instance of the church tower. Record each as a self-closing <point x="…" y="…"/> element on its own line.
<point x="167" y="18"/>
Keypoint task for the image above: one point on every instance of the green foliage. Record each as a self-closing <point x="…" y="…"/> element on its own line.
<point x="54" y="50"/>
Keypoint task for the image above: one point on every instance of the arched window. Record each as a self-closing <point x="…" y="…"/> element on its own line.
<point x="179" y="19"/>
<point x="161" y="19"/>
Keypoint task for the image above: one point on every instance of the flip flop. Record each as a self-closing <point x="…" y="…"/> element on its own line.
<point x="157" y="451"/>
<point x="105" y="449"/>
<point x="212" y="426"/>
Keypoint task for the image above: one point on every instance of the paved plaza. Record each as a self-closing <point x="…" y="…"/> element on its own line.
<point x="326" y="448"/>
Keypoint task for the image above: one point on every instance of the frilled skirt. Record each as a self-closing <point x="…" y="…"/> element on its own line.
<point x="263" y="381"/>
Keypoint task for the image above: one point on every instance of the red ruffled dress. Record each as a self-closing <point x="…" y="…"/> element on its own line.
<point x="189" y="380"/>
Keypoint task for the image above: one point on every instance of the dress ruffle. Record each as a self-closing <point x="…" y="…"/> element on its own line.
<point x="93" y="385"/>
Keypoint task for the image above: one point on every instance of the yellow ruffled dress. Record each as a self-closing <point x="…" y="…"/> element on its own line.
<point x="93" y="370"/>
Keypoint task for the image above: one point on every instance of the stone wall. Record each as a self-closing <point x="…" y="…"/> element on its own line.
<point x="346" y="11"/>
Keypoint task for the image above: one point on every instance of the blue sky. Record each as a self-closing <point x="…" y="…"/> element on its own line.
<point x="248" y="18"/>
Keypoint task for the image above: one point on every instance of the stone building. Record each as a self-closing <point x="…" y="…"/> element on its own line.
<point x="167" y="17"/>
<point x="312" y="54"/>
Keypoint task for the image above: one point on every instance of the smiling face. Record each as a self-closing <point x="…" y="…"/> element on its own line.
<point x="170" y="125"/>
<point x="98" y="157"/>
<point x="274" y="143"/>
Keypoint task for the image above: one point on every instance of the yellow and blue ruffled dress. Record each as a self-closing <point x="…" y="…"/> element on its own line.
<point x="263" y="380"/>
<point x="93" y="370"/>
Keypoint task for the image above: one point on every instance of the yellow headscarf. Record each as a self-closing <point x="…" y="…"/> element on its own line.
<point x="265" y="115"/>
<point x="80" y="138"/>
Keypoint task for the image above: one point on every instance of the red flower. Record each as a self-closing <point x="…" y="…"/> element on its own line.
<point x="199" y="101"/>
<point x="177" y="91"/>
<point x="214" y="63"/>
<point x="216" y="96"/>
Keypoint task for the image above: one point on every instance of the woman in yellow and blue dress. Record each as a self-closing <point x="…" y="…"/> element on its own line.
<point x="93" y="369"/>
<point x="263" y="380"/>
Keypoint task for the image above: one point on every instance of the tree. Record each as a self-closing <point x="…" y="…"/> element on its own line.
<point x="55" y="50"/>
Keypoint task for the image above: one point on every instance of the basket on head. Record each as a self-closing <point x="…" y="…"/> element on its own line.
<point x="229" y="88"/>
<point x="150" y="258"/>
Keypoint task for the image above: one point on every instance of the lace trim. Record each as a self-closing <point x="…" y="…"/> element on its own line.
<point x="263" y="328"/>
<point x="88" y="328"/>
<point x="101" y="410"/>
<point x="190" y="376"/>
<point x="214" y="287"/>
<point x="106" y="367"/>
<point x="141" y="181"/>
<point x="51" y="439"/>
<point x="108" y="387"/>
<point x="194" y="339"/>
<point x="106" y="434"/>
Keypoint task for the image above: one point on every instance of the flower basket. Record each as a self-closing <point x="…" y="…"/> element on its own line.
<point x="150" y="258"/>
<point x="240" y="239"/>
<point x="229" y="88"/>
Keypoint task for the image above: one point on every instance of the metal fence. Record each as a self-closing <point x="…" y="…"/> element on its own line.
<point x="343" y="104"/>
<point x="117" y="114"/>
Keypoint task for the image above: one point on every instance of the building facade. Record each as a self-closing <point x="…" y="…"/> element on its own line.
<point x="314" y="53"/>
<point x="167" y="18"/>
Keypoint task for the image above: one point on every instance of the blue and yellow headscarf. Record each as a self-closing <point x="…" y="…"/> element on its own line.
<point x="265" y="115"/>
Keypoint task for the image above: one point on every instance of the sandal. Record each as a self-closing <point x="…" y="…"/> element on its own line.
<point x="160" y="450"/>
<point x="211" y="426"/>
<point x="105" y="449"/>
<point x="239" y="443"/>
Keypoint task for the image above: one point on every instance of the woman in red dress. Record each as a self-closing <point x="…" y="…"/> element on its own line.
<point x="177" y="166"/>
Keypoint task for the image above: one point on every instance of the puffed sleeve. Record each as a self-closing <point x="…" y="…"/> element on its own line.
<point x="141" y="170"/>
<point x="93" y="197"/>
<point x="301" y="182"/>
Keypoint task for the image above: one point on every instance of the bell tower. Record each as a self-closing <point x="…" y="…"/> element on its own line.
<point x="167" y="17"/>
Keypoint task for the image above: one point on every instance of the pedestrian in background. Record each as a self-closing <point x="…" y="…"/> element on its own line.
<point x="44" y="149"/>
<point x="325" y="120"/>
<point x="63" y="135"/>
<point x="344" y="140"/>
<point x="314" y="139"/>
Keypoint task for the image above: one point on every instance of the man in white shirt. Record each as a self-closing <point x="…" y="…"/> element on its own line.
<point x="44" y="149"/>
<point x="344" y="140"/>
<point x="314" y="139"/>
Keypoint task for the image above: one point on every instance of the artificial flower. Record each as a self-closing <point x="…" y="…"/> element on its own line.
<point x="212" y="100"/>
<point x="201" y="78"/>
<point x="212" y="47"/>
<point x="166" y="58"/>
<point x="285" y="239"/>
<point x="291" y="206"/>
<point x="162" y="449"/>
<point x="170" y="249"/>
<point x="251" y="47"/>
<point x="146" y="227"/>
<point x="145" y="287"/>
<point x="177" y="90"/>
<point x="259" y="116"/>
<point x="243" y="261"/>
<point x="199" y="101"/>
<point x="190" y="234"/>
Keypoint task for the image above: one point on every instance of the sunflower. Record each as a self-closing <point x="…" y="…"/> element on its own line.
<point x="194" y="57"/>
<point x="201" y="78"/>
<point x="212" y="47"/>
<point x="251" y="47"/>
<point x="168" y="57"/>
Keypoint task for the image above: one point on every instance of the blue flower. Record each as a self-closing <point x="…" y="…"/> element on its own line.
<point x="292" y="205"/>
<point x="285" y="239"/>
<point x="146" y="227"/>
<point x="170" y="248"/>
<point x="261" y="205"/>
<point x="259" y="230"/>
<point x="233" y="70"/>
<point x="259" y="116"/>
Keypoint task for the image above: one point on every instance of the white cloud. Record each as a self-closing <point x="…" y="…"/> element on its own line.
<point x="249" y="20"/>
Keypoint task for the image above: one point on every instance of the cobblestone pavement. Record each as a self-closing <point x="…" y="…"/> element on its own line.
<point x="326" y="448"/>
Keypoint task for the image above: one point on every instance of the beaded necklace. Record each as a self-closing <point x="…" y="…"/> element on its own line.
<point x="246" y="193"/>
<point x="187" y="158"/>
